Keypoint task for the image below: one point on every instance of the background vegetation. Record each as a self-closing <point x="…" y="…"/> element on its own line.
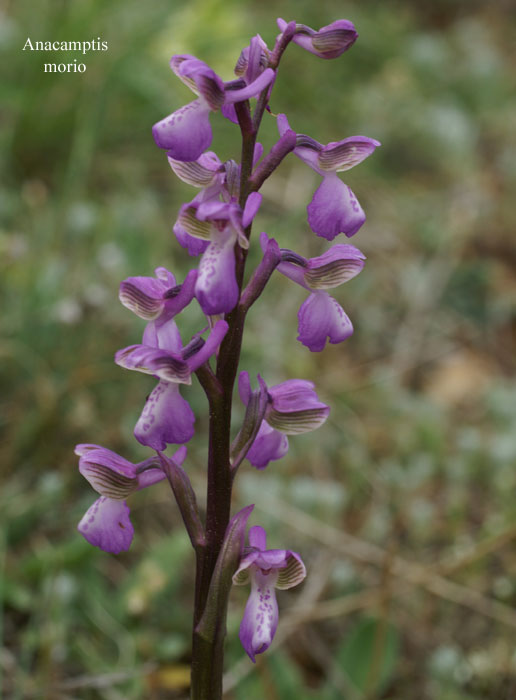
<point x="403" y="503"/>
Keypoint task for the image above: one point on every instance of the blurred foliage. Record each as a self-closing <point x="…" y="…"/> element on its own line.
<point x="418" y="456"/>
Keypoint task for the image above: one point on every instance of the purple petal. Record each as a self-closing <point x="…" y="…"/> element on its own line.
<point x="160" y="363"/>
<point x="216" y="288"/>
<point x="329" y="42"/>
<point x="106" y="525"/>
<point x="334" y="209"/>
<point x="211" y="345"/>
<point x="268" y="446"/>
<point x="166" y="418"/>
<point x="321" y="317"/>
<point x="164" y="336"/>
<point x="186" y="133"/>
<point x="143" y="296"/>
<point x="260" y="620"/>
<point x="257" y="537"/>
<point x="295" y="408"/>
<point x="175" y="304"/>
<point x="200" y="78"/>
<point x="252" y="90"/>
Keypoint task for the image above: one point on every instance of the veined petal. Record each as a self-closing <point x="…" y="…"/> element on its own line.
<point x="329" y="42"/>
<point x="189" y="223"/>
<point x="202" y="172"/>
<point x="185" y="133"/>
<point x="295" y="408"/>
<point x="293" y="573"/>
<point x="216" y="288"/>
<point x="109" y="482"/>
<point x="260" y="619"/>
<point x="106" y="525"/>
<point x="321" y="317"/>
<point x="337" y="265"/>
<point x="160" y="363"/>
<point x="334" y="209"/>
<point x="298" y="422"/>
<point x="343" y="155"/>
<point x="143" y="296"/>
<point x="242" y="574"/>
<point x="200" y="78"/>
<point x="194" y="246"/>
<point x="269" y="445"/>
<point x="166" y="418"/>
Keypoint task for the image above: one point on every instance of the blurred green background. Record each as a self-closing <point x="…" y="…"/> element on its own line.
<point x="402" y="505"/>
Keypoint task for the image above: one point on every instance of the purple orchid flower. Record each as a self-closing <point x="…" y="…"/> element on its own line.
<point x="293" y="409"/>
<point x="186" y="133"/>
<point x="334" y="208"/>
<point x="106" y="523"/>
<point x="167" y="417"/>
<point x="157" y="298"/>
<point x="216" y="288"/>
<point x="328" y="42"/>
<point x="266" y="569"/>
<point x="321" y="317"/>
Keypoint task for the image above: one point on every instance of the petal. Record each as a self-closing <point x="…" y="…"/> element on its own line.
<point x="241" y="575"/>
<point x="334" y="209"/>
<point x="216" y="288"/>
<point x="321" y="316"/>
<point x="181" y="297"/>
<point x="186" y="133"/>
<point x="108" y="458"/>
<point x="295" y="408"/>
<point x="253" y="89"/>
<point x="164" y="336"/>
<point x="211" y="345"/>
<point x="106" y="525"/>
<point x="329" y="42"/>
<point x="260" y="620"/>
<point x="166" y="418"/>
<point x="343" y="155"/>
<point x="337" y="265"/>
<point x="188" y="223"/>
<point x="202" y="172"/>
<point x="194" y="246"/>
<point x="257" y="537"/>
<point x="200" y="78"/>
<point x="160" y="363"/>
<point x="143" y="296"/>
<point x="293" y="573"/>
<point x="111" y="483"/>
<point x="268" y="446"/>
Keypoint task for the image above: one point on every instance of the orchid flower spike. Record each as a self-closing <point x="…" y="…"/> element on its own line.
<point x="106" y="523"/>
<point x="334" y="208"/>
<point x="293" y="409"/>
<point x="266" y="569"/>
<point x="186" y="133"/>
